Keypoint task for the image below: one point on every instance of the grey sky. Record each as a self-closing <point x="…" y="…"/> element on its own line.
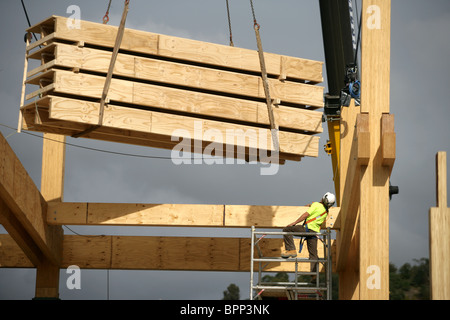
<point x="419" y="90"/>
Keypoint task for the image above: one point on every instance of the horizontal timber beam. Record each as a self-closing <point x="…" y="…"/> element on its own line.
<point x="126" y="91"/>
<point x="198" y="102"/>
<point x="189" y="76"/>
<point x="160" y="253"/>
<point x="41" y="122"/>
<point x="23" y="210"/>
<point x="187" y="215"/>
<point x="160" y="130"/>
<point x="148" y="43"/>
<point x="165" y="126"/>
<point x="137" y="138"/>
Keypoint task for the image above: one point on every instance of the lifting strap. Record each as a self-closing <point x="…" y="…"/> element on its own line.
<point x="273" y="125"/>
<point x="229" y="24"/>
<point x="103" y="99"/>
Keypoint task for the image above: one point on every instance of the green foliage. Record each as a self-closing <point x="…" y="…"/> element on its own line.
<point x="284" y="277"/>
<point x="232" y="293"/>
<point x="410" y="282"/>
<point x="279" y="277"/>
<point x="322" y="279"/>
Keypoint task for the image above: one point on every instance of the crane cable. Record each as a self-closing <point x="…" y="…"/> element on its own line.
<point x="106" y="16"/>
<point x="229" y="24"/>
<point x="358" y="38"/>
<point x="273" y="125"/>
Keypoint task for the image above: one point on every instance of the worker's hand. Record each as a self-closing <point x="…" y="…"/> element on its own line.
<point x="291" y="224"/>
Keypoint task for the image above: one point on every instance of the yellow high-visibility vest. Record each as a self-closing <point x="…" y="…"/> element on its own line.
<point x="317" y="215"/>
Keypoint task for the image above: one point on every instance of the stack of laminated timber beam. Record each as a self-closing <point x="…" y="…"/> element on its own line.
<point x="162" y="84"/>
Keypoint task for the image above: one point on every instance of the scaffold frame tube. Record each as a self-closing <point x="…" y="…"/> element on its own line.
<point x="296" y="287"/>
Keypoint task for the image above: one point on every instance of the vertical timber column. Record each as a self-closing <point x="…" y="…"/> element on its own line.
<point x="374" y="192"/>
<point x="439" y="224"/>
<point x="53" y="164"/>
<point x="52" y="189"/>
<point x="349" y="277"/>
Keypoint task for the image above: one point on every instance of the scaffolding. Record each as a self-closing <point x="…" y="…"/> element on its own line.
<point x="293" y="290"/>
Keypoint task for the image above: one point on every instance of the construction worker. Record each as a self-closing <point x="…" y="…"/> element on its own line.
<point x="313" y="218"/>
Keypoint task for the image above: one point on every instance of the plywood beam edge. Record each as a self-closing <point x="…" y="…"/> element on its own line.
<point x="182" y="215"/>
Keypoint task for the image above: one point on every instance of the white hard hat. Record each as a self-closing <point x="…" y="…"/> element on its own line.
<point x="328" y="199"/>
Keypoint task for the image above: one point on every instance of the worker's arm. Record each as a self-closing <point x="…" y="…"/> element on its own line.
<point x="302" y="217"/>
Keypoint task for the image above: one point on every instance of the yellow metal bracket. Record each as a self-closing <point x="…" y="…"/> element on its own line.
<point x="332" y="149"/>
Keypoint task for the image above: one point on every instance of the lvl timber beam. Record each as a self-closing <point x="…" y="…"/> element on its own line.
<point x="187" y="135"/>
<point x="186" y="215"/>
<point x="355" y="153"/>
<point x="200" y="52"/>
<point x="160" y="126"/>
<point x="52" y="189"/>
<point x="374" y="192"/>
<point x="53" y="165"/>
<point x="42" y="123"/>
<point x="138" y="95"/>
<point x="165" y="84"/>
<point x="347" y="235"/>
<point x="23" y="210"/>
<point x="160" y="253"/>
<point x="439" y="234"/>
<point x="167" y="99"/>
<point x="194" y="77"/>
<point x="358" y="158"/>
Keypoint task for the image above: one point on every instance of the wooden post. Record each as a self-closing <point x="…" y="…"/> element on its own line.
<point x="47" y="280"/>
<point x="53" y="163"/>
<point x="439" y="224"/>
<point x="374" y="192"/>
<point x="348" y="272"/>
<point x="52" y="189"/>
<point x="441" y="179"/>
